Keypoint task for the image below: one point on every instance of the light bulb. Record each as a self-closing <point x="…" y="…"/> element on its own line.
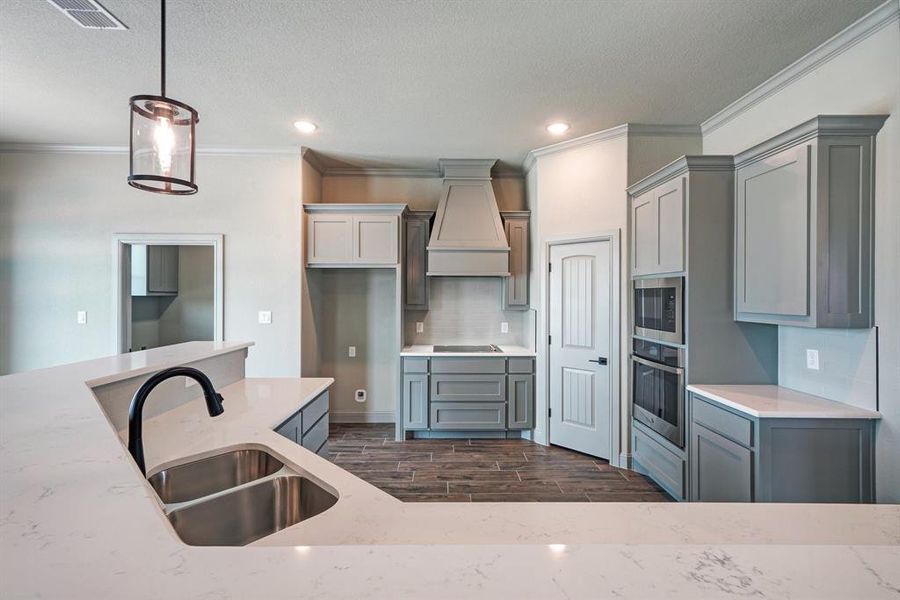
<point x="164" y="144"/>
<point x="558" y="128"/>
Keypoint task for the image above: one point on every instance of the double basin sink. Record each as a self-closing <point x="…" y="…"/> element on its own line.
<point x="237" y="497"/>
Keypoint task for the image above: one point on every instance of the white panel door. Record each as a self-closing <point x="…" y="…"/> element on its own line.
<point x="580" y="345"/>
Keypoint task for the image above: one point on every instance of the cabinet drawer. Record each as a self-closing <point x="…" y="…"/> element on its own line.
<point x="521" y="365"/>
<point x="415" y="365"/>
<point x="290" y="428"/>
<point x="468" y="365"/>
<point x="314" y="410"/>
<point x="730" y="425"/>
<point x="317" y="435"/>
<point x="468" y="388"/>
<point x="652" y="459"/>
<point x="468" y="415"/>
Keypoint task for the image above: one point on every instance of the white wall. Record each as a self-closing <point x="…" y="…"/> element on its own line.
<point x="57" y="216"/>
<point x="864" y="79"/>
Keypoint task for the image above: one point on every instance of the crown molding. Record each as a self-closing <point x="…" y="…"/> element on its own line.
<point x="584" y="140"/>
<point x="652" y="130"/>
<point x="884" y="15"/>
<point x="12" y="148"/>
<point x="312" y="159"/>
<point x="381" y="172"/>
<point x="680" y="166"/>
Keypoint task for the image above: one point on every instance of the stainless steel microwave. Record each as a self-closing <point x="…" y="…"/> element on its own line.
<point x="658" y="309"/>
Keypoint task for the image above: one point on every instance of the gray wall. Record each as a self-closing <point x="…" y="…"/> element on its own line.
<point x="356" y="307"/>
<point x="863" y="79"/>
<point x="57" y="216"/>
<point x="467" y="310"/>
<point x="190" y="315"/>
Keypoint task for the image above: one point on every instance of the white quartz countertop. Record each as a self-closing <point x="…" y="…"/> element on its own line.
<point x="506" y="350"/>
<point x="77" y="519"/>
<point x="776" y="402"/>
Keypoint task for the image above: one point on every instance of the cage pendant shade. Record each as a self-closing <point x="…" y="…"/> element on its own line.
<point x="162" y="144"/>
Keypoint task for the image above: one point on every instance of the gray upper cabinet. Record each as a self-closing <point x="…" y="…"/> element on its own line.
<point x="657" y="229"/>
<point x="154" y="270"/>
<point x="417" y="230"/>
<point x="353" y="235"/>
<point x="803" y="225"/>
<point x="515" y="287"/>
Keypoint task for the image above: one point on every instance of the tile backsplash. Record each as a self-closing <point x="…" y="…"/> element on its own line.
<point x="847" y="366"/>
<point x="468" y="310"/>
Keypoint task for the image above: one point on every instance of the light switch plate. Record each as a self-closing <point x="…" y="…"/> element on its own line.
<point x="420" y="327"/>
<point x="504" y="327"/>
<point x="351" y="352"/>
<point x="812" y="359"/>
<point x="81" y="317"/>
<point x="265" y="317"/>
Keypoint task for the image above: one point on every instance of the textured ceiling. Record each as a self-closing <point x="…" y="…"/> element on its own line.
<point x="397" y="83"/>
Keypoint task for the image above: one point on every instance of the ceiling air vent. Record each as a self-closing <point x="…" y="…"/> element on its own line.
<point x="88" y="13"/>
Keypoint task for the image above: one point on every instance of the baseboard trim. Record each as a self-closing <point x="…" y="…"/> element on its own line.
<point x="384" y="416"/>
<point x="625" y="460"/>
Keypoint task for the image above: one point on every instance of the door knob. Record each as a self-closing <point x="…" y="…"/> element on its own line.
<point x="599" y="361"/>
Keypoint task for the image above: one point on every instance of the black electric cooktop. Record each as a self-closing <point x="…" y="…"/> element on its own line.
<point x="488" y="348"/>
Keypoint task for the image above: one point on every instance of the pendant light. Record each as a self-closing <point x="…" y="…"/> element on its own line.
<point x="162" y="141"/>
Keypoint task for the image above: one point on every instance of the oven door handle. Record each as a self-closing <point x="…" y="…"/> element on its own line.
<point x="656" y="365"/>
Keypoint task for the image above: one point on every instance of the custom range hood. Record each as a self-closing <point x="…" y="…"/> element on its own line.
<point x="468" y="238"/>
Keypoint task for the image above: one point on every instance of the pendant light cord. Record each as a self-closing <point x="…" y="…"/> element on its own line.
<point x="162" y="48"/>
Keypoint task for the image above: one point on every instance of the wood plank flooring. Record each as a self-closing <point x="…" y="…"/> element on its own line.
<point x="481" y="470"/>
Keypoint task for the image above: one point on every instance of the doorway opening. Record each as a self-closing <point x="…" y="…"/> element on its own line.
<point x="583" y="345"/>
<point x="168" y="290"/>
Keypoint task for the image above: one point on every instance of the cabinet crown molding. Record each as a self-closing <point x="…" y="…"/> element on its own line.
<point x="358" y="208"/>
<point x="822" y="125"/>
<point x="680" y="166"/>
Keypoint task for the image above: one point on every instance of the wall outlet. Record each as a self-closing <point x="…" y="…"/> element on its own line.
<point x="265" y="317"/>
<point x="420" y="327"/>
<point x="812" y="359"/>
<point x="81" y="317"/>
<point x="360" y="395"/>
<point x="351" y="352"/>
<point x="504" y="327"/>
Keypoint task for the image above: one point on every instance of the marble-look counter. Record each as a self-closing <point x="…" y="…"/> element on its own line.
<point x="776" y="402"/>
<point x="77" y="520"/>
<point x="506" y="350"/>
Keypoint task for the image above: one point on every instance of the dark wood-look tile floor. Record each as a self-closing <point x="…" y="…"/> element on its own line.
<point x="476" y="470"/>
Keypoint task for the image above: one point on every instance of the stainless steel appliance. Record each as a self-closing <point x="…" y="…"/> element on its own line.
<point x="658" y="309"/>
<point x="657" y="388"/>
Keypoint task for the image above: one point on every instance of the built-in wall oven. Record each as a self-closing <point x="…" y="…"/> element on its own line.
<point x="658" y="310"/>
<point x="657" y="388"/>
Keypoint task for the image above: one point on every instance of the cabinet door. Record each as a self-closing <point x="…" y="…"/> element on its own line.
<point x="162" y="269"/>
<point x="329" y="239"/>
<point x="415" y="401"/>
<point x="416" y="283"/>
<point x="721" y="470"/>
<point x="291" y="429"/>
<point x="520" y="402"/>
<point x="644" y="239"/>
<point x="516" y="285"/>
<point x="669" y="201"/>
<point x="375" y="239"/>
<point x="772" y="237"/>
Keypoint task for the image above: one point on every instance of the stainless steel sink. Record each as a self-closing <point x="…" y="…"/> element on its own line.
<point x="206" y="476"/>
<point x="239" y="517"/>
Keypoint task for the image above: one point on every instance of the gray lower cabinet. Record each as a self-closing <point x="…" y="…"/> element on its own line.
<point x="804" y="225"/>
<point x="468" y="394"/>
<point x="309" y="426"/>
<point x="654" y="459"/>
<point x="520" y="401"/>
<point x="721" y="470"/>
<point x="415" y="401"/>
<point x="737" y="458"/>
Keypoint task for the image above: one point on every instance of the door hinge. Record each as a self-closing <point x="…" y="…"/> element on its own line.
<point x="549" y="339"/>
<point x="549" y="412"/>
<point x="549" y="267"/>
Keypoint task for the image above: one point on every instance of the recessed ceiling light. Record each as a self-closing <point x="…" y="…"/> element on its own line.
<point x="305" y="126"/>
<point x="558" y="128"/>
